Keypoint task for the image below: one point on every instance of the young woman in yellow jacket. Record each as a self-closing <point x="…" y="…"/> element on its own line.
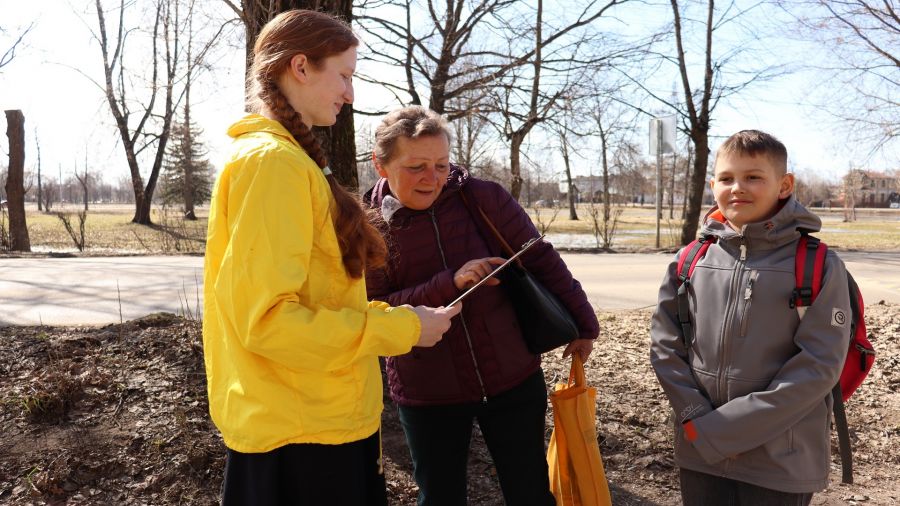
<point x="290" y="342"/>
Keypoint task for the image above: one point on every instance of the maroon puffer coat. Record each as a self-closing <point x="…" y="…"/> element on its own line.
<point x="483" y="354"/>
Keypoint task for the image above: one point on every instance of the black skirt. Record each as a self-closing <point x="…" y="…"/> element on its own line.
<point x="347" y="474"/>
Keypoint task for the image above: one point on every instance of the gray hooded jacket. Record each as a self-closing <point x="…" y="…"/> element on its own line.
<point x="755" y="381"/>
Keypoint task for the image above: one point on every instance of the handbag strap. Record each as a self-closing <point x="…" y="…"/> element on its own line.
<point x="487" y="221"/>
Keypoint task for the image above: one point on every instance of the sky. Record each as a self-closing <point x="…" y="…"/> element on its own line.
<point x="49" y="81"/>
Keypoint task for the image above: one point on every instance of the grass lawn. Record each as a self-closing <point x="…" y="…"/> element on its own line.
<point x="108" y="230"/>
<point x="875" y="229"/>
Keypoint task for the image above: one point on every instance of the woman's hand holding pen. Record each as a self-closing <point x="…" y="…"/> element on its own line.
<point x="474" y="270"/>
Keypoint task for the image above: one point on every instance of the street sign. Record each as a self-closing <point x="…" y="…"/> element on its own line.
<point x="667" y="124"/>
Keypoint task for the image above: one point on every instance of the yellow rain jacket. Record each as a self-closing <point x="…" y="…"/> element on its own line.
<point x="290" y="342"/>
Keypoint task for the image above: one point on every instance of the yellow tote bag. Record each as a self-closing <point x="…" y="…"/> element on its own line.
<point x="576" y="470"/>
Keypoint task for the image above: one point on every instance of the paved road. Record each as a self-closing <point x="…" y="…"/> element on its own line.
<point x="70" y="291"/>
<point x="74" y="291"/>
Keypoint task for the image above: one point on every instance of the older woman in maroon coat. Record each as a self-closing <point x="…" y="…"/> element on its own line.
<point x="482" y="369"/>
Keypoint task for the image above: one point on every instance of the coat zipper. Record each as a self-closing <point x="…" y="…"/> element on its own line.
<point x="462" y="319"/>
<point x="730" y="309"/>
<point x="748" y="299"/>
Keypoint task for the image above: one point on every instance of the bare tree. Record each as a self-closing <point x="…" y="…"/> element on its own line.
<point x="863" y="61"/>
<point x="10" y="53"/>
<point x="187" y="142"/>
<point x="811" y="189"/>
<point x="608" y="121"/>
<point x="49" y="194"/>
<point x="435" y="54"/>
<point x="551" y="74"/>
<point x="138" y="137"/>
<point x="438" y="54"/>
<point x="562" y="133"/>
<point x="471" y="147"/>
<point x="77" y="236"/>
<point x="84" y="180"/>
<point x="144" y="124"/>
<point x="15" y="191"/>
<point x="853" y="186"/>
<point x="700" y="102"/>
<point x="37" y="145"/>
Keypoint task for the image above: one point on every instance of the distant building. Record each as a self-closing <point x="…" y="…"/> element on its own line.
<point x="585" y="186"/>
<point x="871" y="188"/>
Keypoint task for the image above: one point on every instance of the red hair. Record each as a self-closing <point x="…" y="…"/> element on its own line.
<point x="317" y="36"/>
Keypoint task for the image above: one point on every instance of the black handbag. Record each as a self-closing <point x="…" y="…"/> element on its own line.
<point x="545" y="322"/>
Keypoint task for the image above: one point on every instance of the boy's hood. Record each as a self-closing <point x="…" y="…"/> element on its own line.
<point x="780" y="229"/>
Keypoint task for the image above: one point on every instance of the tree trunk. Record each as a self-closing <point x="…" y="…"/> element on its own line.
<point x="515" y="168"/>
<point x="84" y="188"/>
<point x="672" y="186"/>
<point x="687" y="179"/>
<point x="697" y="187"/>
<point x="187" y="149"/>
<point x="85" y="182"/>
<point x="573" y="215"/>
<point x="607" y="242"/>
<point x="342" y="149"/>
<point x="338" y="140"/>
<point x="38" y="146"/>
<point x="15" y="190"/>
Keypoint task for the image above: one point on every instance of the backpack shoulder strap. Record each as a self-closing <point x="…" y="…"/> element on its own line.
<point x="809" y="265"/>
<point x="690" y="255"/>
<point x="687" y="261"/>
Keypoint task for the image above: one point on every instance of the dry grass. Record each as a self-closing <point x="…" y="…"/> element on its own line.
<point x="108" y="229"/>
<point x="874" y="230"/>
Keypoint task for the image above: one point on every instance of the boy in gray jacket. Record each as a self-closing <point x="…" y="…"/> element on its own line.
<point x="751" y="388"/>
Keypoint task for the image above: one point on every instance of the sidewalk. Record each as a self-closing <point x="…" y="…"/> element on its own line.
<point x="97" y="290"/>
<point x="101" y="290"/>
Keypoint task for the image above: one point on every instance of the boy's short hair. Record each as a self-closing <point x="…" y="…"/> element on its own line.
<point x="755" y="143"/>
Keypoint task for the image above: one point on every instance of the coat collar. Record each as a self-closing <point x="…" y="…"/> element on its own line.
<point x="782" y="228"/>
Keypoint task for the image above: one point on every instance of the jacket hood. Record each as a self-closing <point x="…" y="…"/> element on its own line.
<point x="253" y="123"/>
<point x="456" y="179"/>
<point x="784" y="227"/>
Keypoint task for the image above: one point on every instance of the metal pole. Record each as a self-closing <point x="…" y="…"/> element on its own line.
<point x="659" y="138"/>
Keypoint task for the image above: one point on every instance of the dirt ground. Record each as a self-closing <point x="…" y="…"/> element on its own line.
<point x="118" y="415"/>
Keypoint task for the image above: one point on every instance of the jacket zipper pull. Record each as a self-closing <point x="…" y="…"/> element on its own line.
<point x="748" y="292"/>
<point x="743" y="252"/>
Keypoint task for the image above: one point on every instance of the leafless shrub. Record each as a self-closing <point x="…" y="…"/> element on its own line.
<point x="4" y="232"/>
<point x="604" y="224"/>
<point x="77" y="236"/>
<point x="543" y="221"/>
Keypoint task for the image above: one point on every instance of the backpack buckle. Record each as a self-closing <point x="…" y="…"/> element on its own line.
<point x="803" y="295"/>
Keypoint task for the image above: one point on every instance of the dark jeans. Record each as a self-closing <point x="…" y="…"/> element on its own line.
<point x="307" y="474"/>
<point x="513" y="427"/>
<point x="701" y="489"/>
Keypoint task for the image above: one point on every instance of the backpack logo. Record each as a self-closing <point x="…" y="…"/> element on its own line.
<point x="838" y="317"/>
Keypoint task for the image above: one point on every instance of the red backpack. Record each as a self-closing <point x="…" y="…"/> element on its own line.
<point x="809" y="264"/>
